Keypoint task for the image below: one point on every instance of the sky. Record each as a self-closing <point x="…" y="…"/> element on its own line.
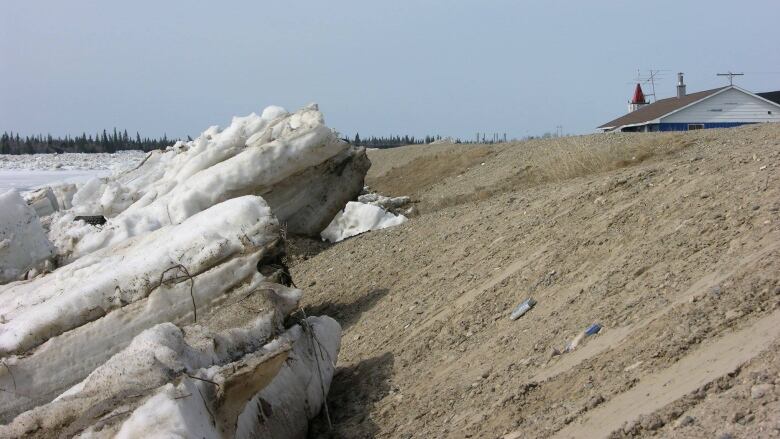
<point x="420" y="67"/>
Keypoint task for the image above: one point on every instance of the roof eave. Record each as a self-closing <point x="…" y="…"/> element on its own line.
<point x="628" y="125"/>
<point x="757" y="96"/>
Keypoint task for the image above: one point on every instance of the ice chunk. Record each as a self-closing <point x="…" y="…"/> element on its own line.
<point x="357" y="218"/>
<point x="64" y="193"/>
<point x="23" y="242"/>
<point x="43" y="201"/>
<point x="279" y="409"/>
<point x="296" y="393"/>
<point x="301" y="167"/>
<point x="180" y="290"/>
<point x="93" y="286"/>
<point x="192" y="382"/>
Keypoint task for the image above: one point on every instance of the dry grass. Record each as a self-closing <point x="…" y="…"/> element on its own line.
<point x="423" y="172"/>
<point x="575" y="158"/>
<point x="552" y="161"/>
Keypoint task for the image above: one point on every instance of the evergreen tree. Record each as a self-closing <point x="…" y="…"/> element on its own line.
<point x="5" y="144"/>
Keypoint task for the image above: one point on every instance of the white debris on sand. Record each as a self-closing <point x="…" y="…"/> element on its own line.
<point x="387" y="203"/>
<point x="357" y="218"/>
<point x="23" y="242"/>
<point x="185" y="286"/>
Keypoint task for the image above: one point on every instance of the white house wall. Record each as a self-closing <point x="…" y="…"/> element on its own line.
<point x="729" y="106"/>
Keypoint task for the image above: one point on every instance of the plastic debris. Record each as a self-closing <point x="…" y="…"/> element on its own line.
<point x="593" y="329"/>
<point x="522" y="308"/>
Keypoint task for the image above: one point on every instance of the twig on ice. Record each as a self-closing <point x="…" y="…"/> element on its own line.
<point x="13" y="378"/>
<point x="192" y="285"/>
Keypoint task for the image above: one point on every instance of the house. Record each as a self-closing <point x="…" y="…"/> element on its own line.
<point x="723" y="107"/>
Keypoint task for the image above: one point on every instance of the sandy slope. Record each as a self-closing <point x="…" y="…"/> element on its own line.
<point x="675" y="250"/>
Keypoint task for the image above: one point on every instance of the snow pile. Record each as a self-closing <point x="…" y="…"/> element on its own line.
<point x="169" y="319"/>
<point x="357" y="218"/>
<point x="23" y="243"/>
<point x="298" y="165"/>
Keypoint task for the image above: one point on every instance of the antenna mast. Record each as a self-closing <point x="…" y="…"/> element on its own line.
<point x="731" y="76"/>
<point x="650" y="78"/>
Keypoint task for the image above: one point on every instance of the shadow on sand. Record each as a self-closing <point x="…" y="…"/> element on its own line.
<point x="348" y="313"/>
<point x="353" y="393"/>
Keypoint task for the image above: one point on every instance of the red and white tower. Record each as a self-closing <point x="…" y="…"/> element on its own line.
<point x="638" y="101"/>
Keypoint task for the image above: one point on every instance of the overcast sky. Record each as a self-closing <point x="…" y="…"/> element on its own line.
<point x="393" y="67"/>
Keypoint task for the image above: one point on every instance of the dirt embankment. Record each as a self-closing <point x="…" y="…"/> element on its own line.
<point x="670" y="241"/>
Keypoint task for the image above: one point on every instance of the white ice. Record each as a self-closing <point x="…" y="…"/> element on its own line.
<point x="292" y="398"/>
<point x="357" y="218"/>
<point x="96" y="284"/>
<point x="29" y="171"/>
<point x="157" y="295"/>
<point x="250" y="156"/>
<point x="23" y="242"/>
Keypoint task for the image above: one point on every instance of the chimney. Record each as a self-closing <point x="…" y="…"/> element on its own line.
<point x="680" y="85"/>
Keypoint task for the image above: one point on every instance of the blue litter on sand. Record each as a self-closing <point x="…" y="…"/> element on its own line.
<point x="593" y="329"/>
<point x="522" y="308"/>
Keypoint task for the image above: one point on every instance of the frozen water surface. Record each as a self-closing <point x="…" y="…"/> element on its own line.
<point x="25" y="179"/>
<point x="27" y="171"/>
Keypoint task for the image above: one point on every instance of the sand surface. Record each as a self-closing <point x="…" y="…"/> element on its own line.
<point x="670" y="241"/>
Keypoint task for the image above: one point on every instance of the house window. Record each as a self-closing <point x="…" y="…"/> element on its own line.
<point x="695" y="126"/>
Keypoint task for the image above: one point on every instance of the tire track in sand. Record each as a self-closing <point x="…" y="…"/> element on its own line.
<point x="657" y="390"/>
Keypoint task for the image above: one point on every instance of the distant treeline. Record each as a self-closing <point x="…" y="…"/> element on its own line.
<point x="114" y="141"/>
<point x="392" y="141"/>
<point x="11" y="143"/>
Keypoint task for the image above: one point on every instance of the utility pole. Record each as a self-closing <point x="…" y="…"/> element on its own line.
<point x="731" y="76"/>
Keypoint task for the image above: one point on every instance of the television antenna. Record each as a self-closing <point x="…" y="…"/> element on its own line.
<point x="650" y="78"/>
<point x="731" y="76"/>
